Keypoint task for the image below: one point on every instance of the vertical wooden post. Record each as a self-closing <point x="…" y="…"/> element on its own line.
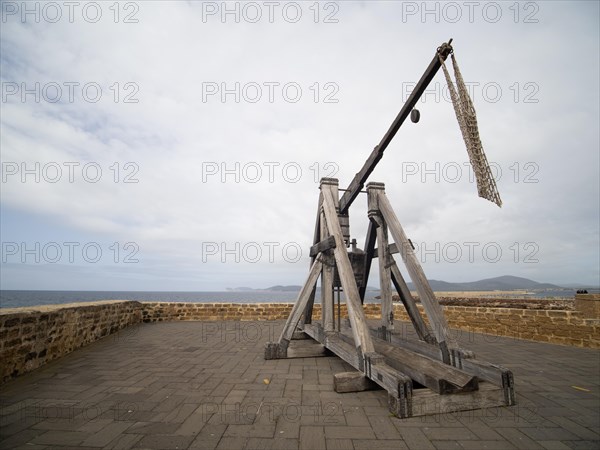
<point x="383" y="255"/>
<point x="327" y="282"/>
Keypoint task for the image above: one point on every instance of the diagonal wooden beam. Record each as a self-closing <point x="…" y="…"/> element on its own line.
<point x="369" y="255"/>
<point x="362" y="338"/>
<point x="303" y="297"/>
<point x="409" y="303"/>
<point x="308" y="310"/>
<point x="433" y="309"/>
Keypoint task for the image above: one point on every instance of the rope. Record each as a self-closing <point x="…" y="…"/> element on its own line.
<point x="467" y="120"/>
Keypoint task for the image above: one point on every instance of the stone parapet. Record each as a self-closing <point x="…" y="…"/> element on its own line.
<point x="31" y="337"/>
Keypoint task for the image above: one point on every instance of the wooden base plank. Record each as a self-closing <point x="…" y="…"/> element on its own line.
<point x="426" y="402"/>
<point x="352" y="382"/>
<point x="306" y="349"/>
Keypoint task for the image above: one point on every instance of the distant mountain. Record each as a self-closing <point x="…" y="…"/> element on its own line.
<point x="277" y="288"/>
<point x="503" y="283"/>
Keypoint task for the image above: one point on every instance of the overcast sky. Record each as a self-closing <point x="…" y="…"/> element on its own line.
<point x="178" y="145"/>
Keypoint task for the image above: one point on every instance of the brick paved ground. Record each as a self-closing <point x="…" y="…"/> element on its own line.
<point x="202" y="385"/>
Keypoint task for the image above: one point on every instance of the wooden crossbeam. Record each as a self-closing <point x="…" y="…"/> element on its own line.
<point x="326" y="244"/>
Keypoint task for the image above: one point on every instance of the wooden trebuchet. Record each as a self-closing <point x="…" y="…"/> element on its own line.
<point x="427" y="374"/>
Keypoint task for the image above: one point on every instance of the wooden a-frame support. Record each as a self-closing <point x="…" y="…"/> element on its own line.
<point x="434" y="361"/>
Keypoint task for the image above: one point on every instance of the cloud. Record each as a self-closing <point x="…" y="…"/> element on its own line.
<point x="186" y="130"/>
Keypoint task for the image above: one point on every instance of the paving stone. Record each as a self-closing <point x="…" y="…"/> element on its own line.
<point x="208" y="437"/>
<point x="415" y="438"/>
<point x="447" y="433"/>
<point x="371" y="444"/>
<point x="177" y="384"/>
<point x="164" y="442"/>
<point x="124" y="442"/>
<point x="575" y="428"/>
<point x="312" y="438"/>
<point x="355" y="432"/>
<point x="554" y="445"/>
<point x="446" y="445"/>
<point x="106" y="434"/>
<point x="583" y="445"/>
<point x="274" y="444"/>
<point x="232" y="443"/>
<point x="70" y="438"/>
<point x="518" y="439"/>
<point x="338" y="444"/>
<point x="384" y="428"/>
<point x="264" y="431"/>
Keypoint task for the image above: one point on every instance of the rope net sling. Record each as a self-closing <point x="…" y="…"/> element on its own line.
<point x="467" y="119"/>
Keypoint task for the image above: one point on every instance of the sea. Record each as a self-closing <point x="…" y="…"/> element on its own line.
<point x="16" y="299"/>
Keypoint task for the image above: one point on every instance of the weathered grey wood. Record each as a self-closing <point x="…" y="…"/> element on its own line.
<point x="326" y="244"/>
<point x="387" y="311"/>
<point x="300" y="335"/>
<point x="327" y="282"/>
<point x="344" y="350"/>
<point x="306" y="349"/>
<point x="439" y="377"/>
<point x="352" y="382"/>
<point x="308" y="310"/>
<point x="363" y="174"/>
<point x="385" y="282"/>
<point x="421" y="346"/>
<point x="303" y="297"/>
<point x="427" y="402"/>
<point x="362" y="338"/>
<point x="392" y="249"/>
<point x="409" y="304"/>
<point x="426" y="295"/>
<point x="397" y="384"/>
<point x="369" y="254"/>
